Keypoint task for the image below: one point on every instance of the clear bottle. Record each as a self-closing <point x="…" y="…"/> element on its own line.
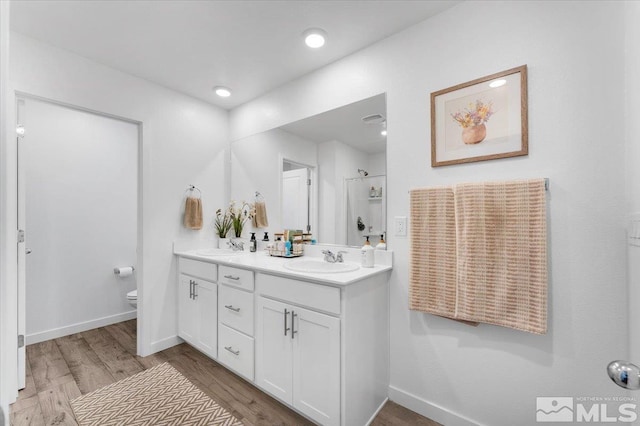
<point x="253" y="244"/>
<point x="368" y="256"/>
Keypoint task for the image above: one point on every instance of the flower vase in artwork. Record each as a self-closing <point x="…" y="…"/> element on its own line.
<point x="474" y="134"/>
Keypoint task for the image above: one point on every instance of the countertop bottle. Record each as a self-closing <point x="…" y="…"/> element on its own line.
<point x="253" y="244"/>
<point x="382" y="245"/>
<point x="368" y="256"/>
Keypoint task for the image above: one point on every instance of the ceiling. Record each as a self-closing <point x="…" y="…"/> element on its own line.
<point x="345" y="124"/>
<point x="192" y="46"/>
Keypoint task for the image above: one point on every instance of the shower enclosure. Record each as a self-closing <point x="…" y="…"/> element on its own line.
<point x="366" y="209"/>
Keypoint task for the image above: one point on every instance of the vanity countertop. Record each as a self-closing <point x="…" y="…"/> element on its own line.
<point x="262" y="262"/>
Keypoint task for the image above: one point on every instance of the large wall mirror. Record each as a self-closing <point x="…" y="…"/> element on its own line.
<point x="325" y="174"/>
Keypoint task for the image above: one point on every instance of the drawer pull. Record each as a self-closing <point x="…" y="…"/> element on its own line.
<point x="231" y="308"/>
<point x="293" y="318"/>
<point x="230" y="349"/>
<point x="285" y="322"/>
<point x="231" y="277"/>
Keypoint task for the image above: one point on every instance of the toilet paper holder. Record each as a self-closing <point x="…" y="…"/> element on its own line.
<point x="124" y="270"/>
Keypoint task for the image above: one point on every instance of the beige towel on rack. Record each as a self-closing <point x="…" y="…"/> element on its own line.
<point x="260" y="219"/>
<point x="193" y="213"/>
<point x="501" y="241"/>
<point x="432" y="270"/>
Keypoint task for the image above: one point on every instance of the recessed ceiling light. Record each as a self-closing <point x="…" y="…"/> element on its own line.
<point x="497" y="83"/>
<point x="223" y="92"/>
<point x="315" y="37"/>
<point x="384" y="132"/>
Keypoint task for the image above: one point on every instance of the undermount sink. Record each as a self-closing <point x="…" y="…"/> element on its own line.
<point x="318" y="266"/>
<point x="217" y="252"/>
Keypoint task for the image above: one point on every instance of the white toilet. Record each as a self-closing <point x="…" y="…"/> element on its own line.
<point x="132" y="298"/>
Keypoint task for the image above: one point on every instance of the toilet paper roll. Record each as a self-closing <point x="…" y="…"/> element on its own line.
<point x="123" y="271"/>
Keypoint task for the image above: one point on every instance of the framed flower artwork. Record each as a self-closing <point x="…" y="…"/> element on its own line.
<point x="480" y="120"/>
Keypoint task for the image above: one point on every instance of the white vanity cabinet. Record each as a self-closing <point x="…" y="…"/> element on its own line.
<point x="236" y="320"/>
<point x="323" y="349"/>
<point x="320" y="345"/>
<point x="298" y="358"/>
<point x="198" y="305"/>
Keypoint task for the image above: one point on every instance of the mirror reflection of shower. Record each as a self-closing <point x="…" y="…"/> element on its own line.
<point x="366" y="208"/>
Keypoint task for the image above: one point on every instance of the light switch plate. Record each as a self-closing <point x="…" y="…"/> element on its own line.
<point x="400" y="223"/>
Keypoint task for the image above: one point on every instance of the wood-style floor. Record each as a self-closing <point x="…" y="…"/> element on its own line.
<point x="62" y="369"/>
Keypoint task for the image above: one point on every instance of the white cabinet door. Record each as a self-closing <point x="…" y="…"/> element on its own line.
<point x="206" y="296"/>
<point x="273" y="348"/>
<point x="187" y="324"/>
<point x="316" y="365"/>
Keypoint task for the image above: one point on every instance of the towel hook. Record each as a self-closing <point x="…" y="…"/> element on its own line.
<point x="192" y="188"/>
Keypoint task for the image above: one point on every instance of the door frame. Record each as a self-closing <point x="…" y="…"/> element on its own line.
<point x="8" y="299"/>
<point x="18" y="96"/>
<point x="313" y="196"/>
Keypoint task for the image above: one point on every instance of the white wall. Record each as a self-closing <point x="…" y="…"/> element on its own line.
<point x="491" y="375"/>
<point x="632" y="91"/>
<point x="8" y="290"/>
<point x="632" y="112"/>
<point x="337" y="161"/>
<point x="256" y="166"/>
<point x="81" y="174"/>
<point x="377" y="164"/>
<point x="183" y="142"/>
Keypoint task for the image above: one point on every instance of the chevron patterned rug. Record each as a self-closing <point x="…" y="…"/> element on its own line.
<point x="157" y="396"/>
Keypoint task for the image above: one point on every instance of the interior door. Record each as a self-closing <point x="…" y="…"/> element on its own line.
<point x="22" y="239"/>
<point x="295" y="199"/>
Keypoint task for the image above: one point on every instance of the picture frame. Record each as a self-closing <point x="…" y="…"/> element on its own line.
<point x="483" y="119"/>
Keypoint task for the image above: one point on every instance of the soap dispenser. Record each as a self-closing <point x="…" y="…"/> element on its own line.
<point x="368" y="256"/>
<point x="253" y="244"/>
<point x="381" y="245"/>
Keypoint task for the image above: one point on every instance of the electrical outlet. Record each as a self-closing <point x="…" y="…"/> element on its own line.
<point x="400" y="226"/>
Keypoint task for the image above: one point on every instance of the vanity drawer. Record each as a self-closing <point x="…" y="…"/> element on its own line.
<point x="235" y="277"/>
<point x="195" y="268"/>
<point x="315" y="296"/>
<point x="236" y="309"/>
<point x="235" y="350"/>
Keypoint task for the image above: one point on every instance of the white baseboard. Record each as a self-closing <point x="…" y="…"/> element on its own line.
<point x="79" y="327"/>
<point x="428" y="409"/>
<point x="161" y="345"/>
<point x="377" y="412"/>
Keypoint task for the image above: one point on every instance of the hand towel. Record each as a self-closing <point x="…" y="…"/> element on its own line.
<point x="501" y="251"/>
<point x="432" y="271"/>
<point x="260" y="217"/>
<point x="193" y="213"/>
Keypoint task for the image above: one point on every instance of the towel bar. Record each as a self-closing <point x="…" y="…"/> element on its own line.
<point x="546" y="185"/>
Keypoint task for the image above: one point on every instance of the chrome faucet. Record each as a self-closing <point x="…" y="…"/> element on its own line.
<point x="332" y="257"/>
<point x="235" y="244"/>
